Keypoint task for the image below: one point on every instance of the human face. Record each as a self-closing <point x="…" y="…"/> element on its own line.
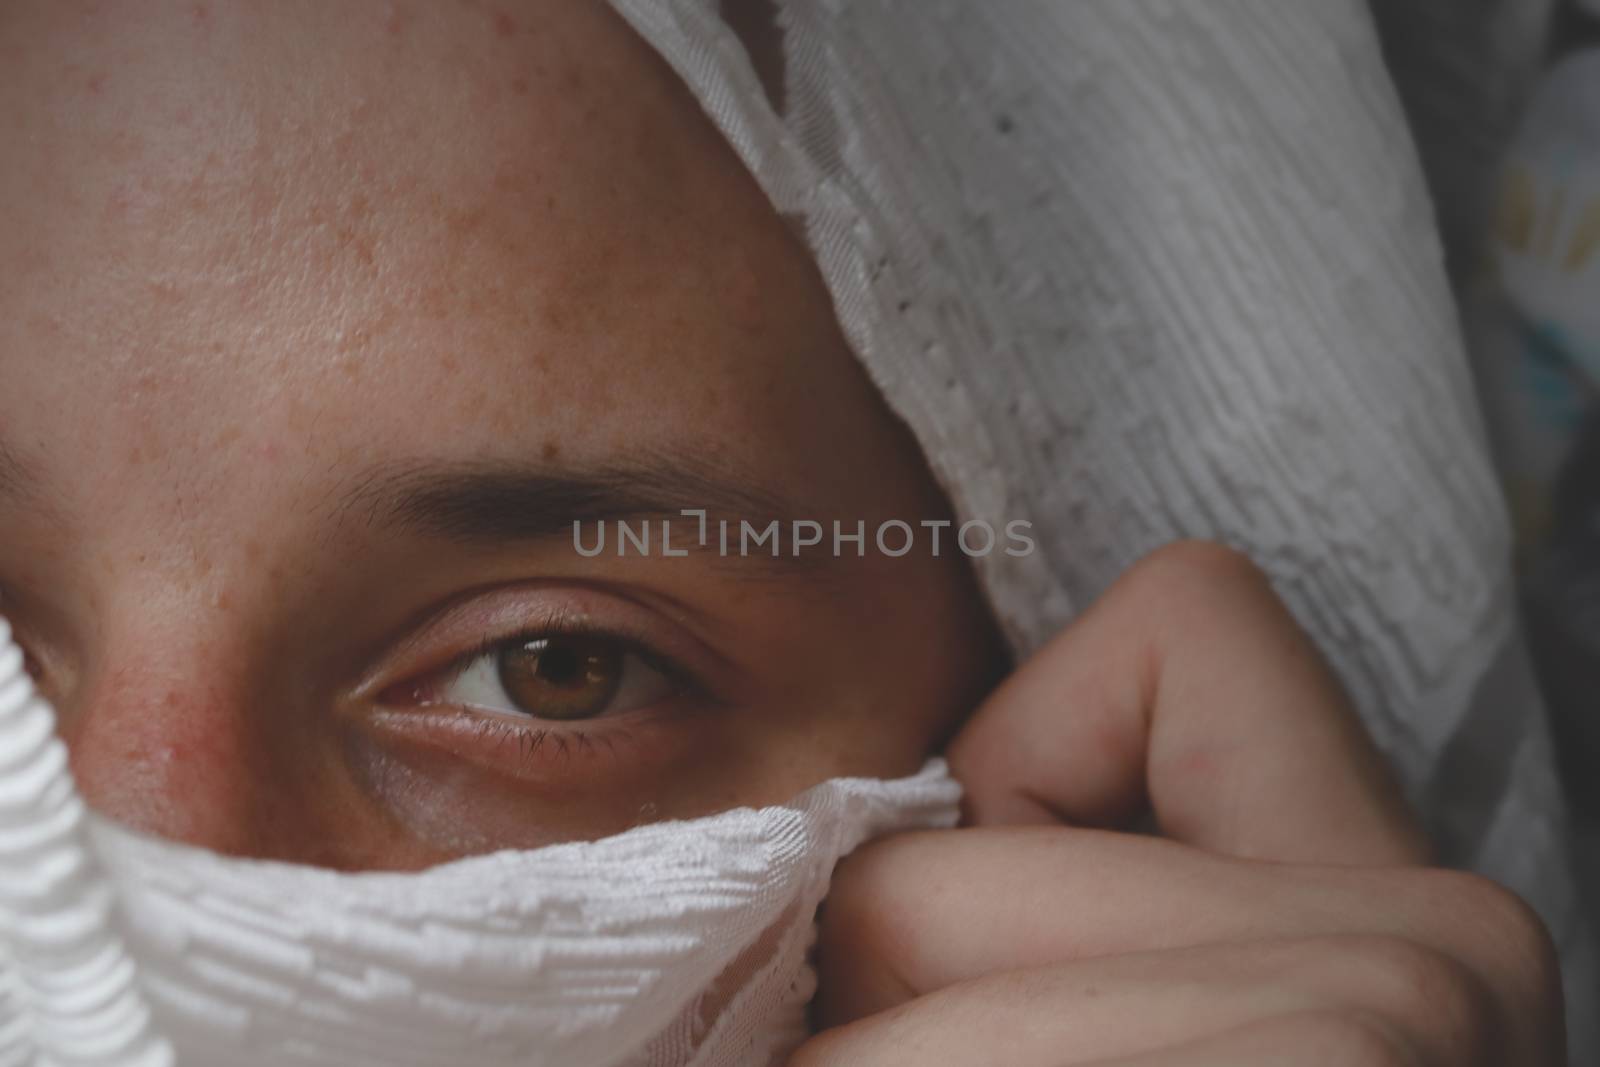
<point x="319" y="324"/>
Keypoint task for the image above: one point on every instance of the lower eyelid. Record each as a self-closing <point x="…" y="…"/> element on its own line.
<point x="524" y="748"/>
<point x="534" y="741"/>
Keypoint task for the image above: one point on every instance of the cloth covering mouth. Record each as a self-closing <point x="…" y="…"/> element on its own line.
<point x="677" y="944"/>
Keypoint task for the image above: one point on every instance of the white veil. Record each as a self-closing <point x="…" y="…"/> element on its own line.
<point x="1154" y="269"/>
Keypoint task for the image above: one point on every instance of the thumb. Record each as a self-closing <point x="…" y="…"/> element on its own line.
<point x="1189" y="690"/>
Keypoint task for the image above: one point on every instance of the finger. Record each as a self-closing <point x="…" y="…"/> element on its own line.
<point x="1188" y="686"/>
<point x="918" y="912"/>
<point x="913" y="913"/>
<point x="1154" y="1004"/>
<point x="1311" y="1039"/>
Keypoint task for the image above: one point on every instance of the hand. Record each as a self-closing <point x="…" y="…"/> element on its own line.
<point x="1289" y="918"/>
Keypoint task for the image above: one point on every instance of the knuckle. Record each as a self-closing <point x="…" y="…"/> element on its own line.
<point x="1429" y="990"/>
<point x="1351" y="1037"/>
<point x="1204" y="575"/>
<point x="1198" y="561"/>
<point x="1505" y="933"/>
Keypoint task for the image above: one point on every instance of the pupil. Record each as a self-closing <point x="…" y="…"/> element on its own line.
<point x="559" y="665"/>
<point x="562" y="678"/>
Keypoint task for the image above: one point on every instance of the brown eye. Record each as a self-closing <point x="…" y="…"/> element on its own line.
<point x="562" y="678"/>
<point x="556" y="677"/>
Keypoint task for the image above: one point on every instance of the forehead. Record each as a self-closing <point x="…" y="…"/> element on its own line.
<point x="365" y="225"/>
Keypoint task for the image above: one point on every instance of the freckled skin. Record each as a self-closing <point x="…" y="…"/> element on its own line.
<point x="252" y="249"/>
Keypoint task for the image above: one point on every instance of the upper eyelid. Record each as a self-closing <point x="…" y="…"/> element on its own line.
<point x="578" y="607"/>
<point x="666" y="665"/>
<point x="685" y="680"/>
<point x="441" y="619"/>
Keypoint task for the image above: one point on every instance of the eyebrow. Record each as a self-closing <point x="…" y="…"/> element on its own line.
<point x="491" y="504"/>
<point x="495" y="504"/>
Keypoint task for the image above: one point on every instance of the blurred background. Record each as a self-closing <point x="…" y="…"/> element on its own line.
<point x="1504" y="99"/>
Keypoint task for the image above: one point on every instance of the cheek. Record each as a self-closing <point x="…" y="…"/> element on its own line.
<point x="871" y="679"/>
<point x="163" y="761"/>
<point x="171" y="756"/>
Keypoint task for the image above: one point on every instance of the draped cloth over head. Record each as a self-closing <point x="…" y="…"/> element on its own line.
<point x="1154" y="269"/>
<point x="1129" y="271"/>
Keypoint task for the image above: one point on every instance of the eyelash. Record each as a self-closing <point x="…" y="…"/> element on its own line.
<point x="533" y="740"/>
<point x="565" y="625"/>
<point x="541" y="743"/>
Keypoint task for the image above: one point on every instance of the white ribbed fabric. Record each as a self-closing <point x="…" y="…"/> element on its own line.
<point x="677" y="944"/>
<point x="1153" y="269"/>
<point x="67" y="989"/>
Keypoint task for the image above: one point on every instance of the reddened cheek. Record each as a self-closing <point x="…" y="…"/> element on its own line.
<point x="167" y="764"/>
